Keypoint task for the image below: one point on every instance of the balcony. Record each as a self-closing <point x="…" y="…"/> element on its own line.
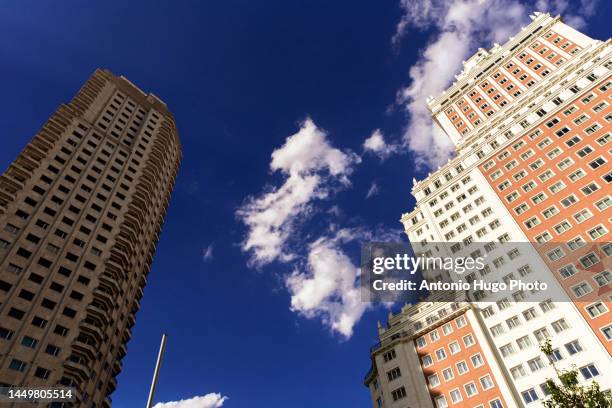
<point x="78" y="369"/>
<point x="93" y="330"/>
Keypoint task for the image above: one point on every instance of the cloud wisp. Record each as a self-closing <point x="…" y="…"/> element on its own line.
<point x="207" y="253"/>
<point x="312" y="168"/>
<point x="373" y="190"/>
<point x="377" y="145"/>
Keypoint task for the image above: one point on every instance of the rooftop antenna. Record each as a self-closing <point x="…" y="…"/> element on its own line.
<point x="160" y="356"/>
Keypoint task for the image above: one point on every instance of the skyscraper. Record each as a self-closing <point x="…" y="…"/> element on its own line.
<point x="531" y="123"/>
<point x="81" y="210"/>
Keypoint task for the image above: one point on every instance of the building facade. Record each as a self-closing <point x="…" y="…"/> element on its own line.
<point x="81" y="210"/>
<point x="530" y="180"/>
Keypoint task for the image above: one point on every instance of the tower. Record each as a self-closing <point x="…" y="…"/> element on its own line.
<point x="81" y="210"/>
<point x="530" y="178"/>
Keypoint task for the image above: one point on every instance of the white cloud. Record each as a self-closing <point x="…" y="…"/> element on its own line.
<point x="312" y="169"/>
<point x="573" y="15"/>
<point x="328" y="288"/>
<point x="207" y="253"/>
<point x="374" y="190"/>
<point x="461" y="26"/>
<point x="377" y="145"/>
<point x="212" y="400"/>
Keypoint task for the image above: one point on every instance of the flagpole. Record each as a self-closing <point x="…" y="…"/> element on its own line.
<point x="160" y="356"/>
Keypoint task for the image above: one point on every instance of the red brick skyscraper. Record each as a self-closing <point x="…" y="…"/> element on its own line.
<point x="531" y="123"/>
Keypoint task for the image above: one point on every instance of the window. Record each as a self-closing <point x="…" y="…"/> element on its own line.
<point x="496" y="404"/>
<point x="598" y="162"/>
<point x="454" y="347"/>
<point x="567" y="271"/>
<point x="389" y="355"/>
<point x="535" y="364"/>
<point x="42" y="373"/>
<point x="589" y="188"/>
<point x="524" y="270"/>
<point x="569" y="200"/>
<point x="597" y="232"/>
<point x="461" y="322"/>
<point x="538" y="198"/>
<point x="556" y="254"/>
<point x="518" y="371"/>
<point x="560" y="325"/>
<point x="433" y="380"/>
<point x="16" y="313"/>
<point x="52" y="350"/>
<point x="513" y="322"/>
<point x="541" y="334"/>
<point x="582" y="289"/>
<point x="596" y="309"/>
<point x="448" y="374"/>
<point x="576" y="243"/>
<point x="589" y="371"/>
<point x="555" y="356"/>
<point x="456" y="396"/>
<point x="434" y="336"/>
<point x="17" y="365"/>
<point x="497" y="330"/>
<point x="562" y="227"/>
<point x="507" y="349"/>
<point x="440" y="354"/>
<point x="607" y="332"/>
<point x="421" y="342"/>
<point x="477" y="360"/>
<point x="573" y="347"/>
<point x="29" y="342"/>
<point x="547" y="305"/>
<point x="529" y="314"/>
<point x="15" y="269"/>
<point x="60" y="330"/>
<point x="577" y="175"/>
<point x="398" y="393"/>
<point x="558" y="186"/>
<point x="470" y="389"/>
<point x="468" y="340"/>
<point x="524" y="342"/>
<point x="530" y="395"/>
<point x="462" y="367"/>
<point x="604" y="203"/>
<point x="604" y="139"/>
<point x="6" y="334"/>
<point x="393" y="374"/>
<point x="565" y="163"/>
<point x="532" y="222"/>
<point x="582" y="215"/>
<point x="441" y="402"/>
<point x="486" y="382"/>
<point x="603" y="278"/>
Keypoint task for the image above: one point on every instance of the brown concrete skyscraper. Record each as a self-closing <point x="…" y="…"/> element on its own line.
<point x="81" y="211"/>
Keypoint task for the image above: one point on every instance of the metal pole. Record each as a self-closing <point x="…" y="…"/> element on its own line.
<point x="160" y="356"/>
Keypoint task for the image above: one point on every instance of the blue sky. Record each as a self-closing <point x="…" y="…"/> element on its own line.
<point x="256" y="310"/>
